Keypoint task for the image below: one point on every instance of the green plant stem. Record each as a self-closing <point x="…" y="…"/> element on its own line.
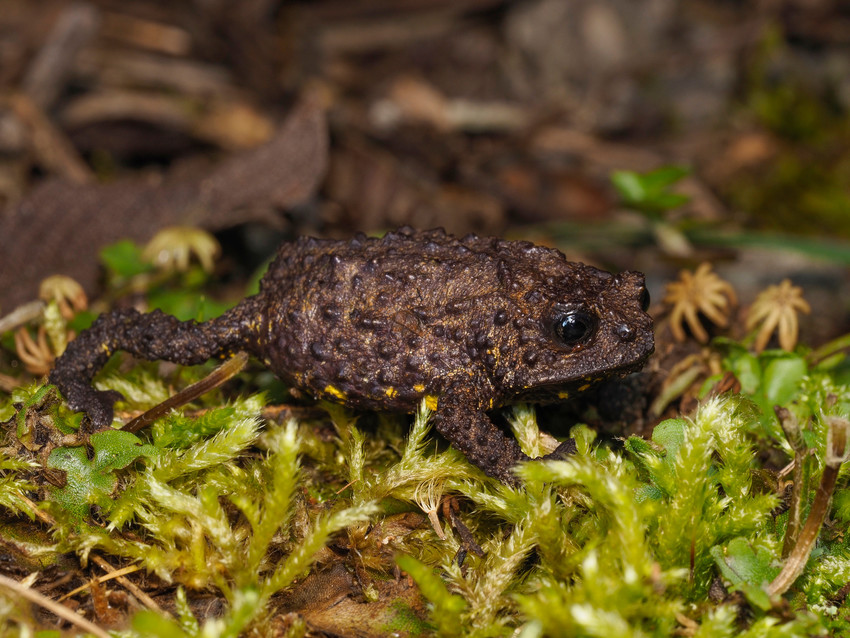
<point x="676" y="388"/>
<point x="52" y="606"/>
<point x="795" y="440"/>
<point x="830" y="348"/>
<point x="831" y="250"/>
<point x="808" y="535"/>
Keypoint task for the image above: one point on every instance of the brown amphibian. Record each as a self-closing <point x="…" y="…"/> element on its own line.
<point x="466" y="324"/>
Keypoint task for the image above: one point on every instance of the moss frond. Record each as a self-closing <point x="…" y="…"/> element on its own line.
<point x="302" y="556"/>
<point x="223" y="447"/>
<point x="14" y="487"/>
<point x="418" y="465"/>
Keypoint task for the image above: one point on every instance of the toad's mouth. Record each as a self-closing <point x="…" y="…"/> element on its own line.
<point x="552" y="391"/>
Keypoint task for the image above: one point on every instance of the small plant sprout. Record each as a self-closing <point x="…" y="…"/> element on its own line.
<point x="427" y="496"/>
<point x="15" y="484"/>
<point x="775" y="310"/>
<point x="699" y="292"/>
<point x="794" y="436"/>
<point x="651" y="195"/>
<point x="56" y="326"/>
<point x="66" y="292"/>
<point x="523" y="422"/>
<point x="171" y="248"/>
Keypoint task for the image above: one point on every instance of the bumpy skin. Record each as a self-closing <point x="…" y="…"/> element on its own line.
<point x="468" y="324"/>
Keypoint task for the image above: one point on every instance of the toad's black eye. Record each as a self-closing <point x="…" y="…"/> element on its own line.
<point x="575" y="327"/>
<point x="644" y="299"/>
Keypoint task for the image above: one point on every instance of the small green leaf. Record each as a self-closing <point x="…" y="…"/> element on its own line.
<point x="782" y="378"/>
<point x="746" y="368"/>
<point x="584" y="438"/>
<point x="661" y="178"/>
<point x="92" y="481"/>
<point x="637" y="445"/>
<point x="748" y="571"/>
<point x="656" y="466"/>
<point x="670" y="434"/>
<point x="648" y="493"/>
<point x="82" y="320"/>
<point x="669" y="201"/>
<point x="629" y="186"/>
<point x="124" y="259"/>
<point x="640" y="450"/>
<point x="649" y="192"/>
<point x="114" y="449"/>
<point x="149" y="623"/>
<point x="186" y="305"/>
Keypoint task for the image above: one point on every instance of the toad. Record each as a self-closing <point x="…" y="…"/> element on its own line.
<point x="465" y="324"/>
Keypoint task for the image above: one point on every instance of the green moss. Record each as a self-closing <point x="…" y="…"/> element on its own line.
<point x="604" y="542"/>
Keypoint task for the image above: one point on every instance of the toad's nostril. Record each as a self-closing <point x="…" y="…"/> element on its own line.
<point x="625" y="332"/>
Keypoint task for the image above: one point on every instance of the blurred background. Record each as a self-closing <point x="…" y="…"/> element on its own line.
<point x="724" y="124"/>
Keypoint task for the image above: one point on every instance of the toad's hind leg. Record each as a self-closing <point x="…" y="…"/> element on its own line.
<point x="151" y="336"/>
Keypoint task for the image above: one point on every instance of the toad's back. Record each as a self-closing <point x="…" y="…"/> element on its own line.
<point x="380" y="323"/>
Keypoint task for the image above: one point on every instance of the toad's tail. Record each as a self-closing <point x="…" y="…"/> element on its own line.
<point x="151" y="336"/>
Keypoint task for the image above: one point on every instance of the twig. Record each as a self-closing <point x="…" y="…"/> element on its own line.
<point x="47" y="74"/>
<point x="20" y="315"/>
<point x="184" y="76"/>
<point x="214" y="379"/>
<point x="111" y="575"/>
<point x="39" y="513"/>
<point x="467" y="540"/>
<point x="50" y="145"/>
<point x="52" y="606"/>
<point x="146" y="34"/>
<point x="126" y="583"/>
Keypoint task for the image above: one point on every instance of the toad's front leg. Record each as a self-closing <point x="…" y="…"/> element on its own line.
<point x="463" y="421"/>
<point x="151" y="336"/>
<point x="466" y="425"/>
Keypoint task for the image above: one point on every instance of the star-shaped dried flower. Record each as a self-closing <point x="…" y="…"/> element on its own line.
<point x="699" y="292"/>
<point x="36" y="356"/>
<point x="69" y="294"/>
<point x="776" y="308"/>
<point x="171" y="248"/>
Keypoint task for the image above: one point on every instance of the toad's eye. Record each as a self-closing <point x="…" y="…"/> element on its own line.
<point x="644" y="299"/>
<point x="575" y="327"/>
